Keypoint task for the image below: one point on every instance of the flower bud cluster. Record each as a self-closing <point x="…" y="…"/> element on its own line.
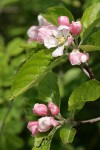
<point x="47" y="119"/>
<point x="59" y="38"/>
<point x="76" y="57"/>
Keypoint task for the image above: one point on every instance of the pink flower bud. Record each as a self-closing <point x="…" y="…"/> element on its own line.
<point x="70" y="40"/>
<point x="40" y="109"/>
<point x="63" y="20"/>
<point x="33" y="32"/>
<point x="45" y="123"/>
<point x="76" y="57"/>
<point x="76" y="27"/>
<point x="53" y="108"/>
<point x="33" y="127"/>
<point x="84" y="57"/>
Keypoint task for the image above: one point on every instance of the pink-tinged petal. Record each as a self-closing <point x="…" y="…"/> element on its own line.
<point x="40" y="109"/>
<point x="44" y="124"/>
<point x="33" y="127"/>
<point x="42" y="21"/>
<point x="76" y="27"/>
<point x="45" y="31"/>
<point x="53" y="108"/>
<point x="58" y="51"/>
<point x="63" y="20"/>
<point x="84" y="57"/>
<point x="70" y="40"/>
<point x="75" y="58"/>
<point x="54" y="122"/>
<point x="33" y="32"/>
<point x="50" y="42"/>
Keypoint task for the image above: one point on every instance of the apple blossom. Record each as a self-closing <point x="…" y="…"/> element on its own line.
<point x="33" y="30"/>
<point x="45" y="123"/>
<point x="33" y="127"/>
<point x="45" y="31"/>
<point x="76" y="27"/>
<point x="63" y="20"/>
<point x="40" y="109"/>
<point x="60" y="38"/>
<point x="53" y="108"/>
<point x="76" y="57"/>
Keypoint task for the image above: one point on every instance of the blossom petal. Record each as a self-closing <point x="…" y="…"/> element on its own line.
<point x="57" y="33"/>
<point x="42" y="21"/>
<point x="65" y="30"/>
<point x="58" y="51"/>
<point x="61" y="27"/>
<point x="50" y="42"/>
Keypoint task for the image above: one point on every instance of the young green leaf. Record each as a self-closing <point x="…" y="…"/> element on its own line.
<point x="32" y="48"/>
<point x="48" y="88"/>
<point x="93" y="42"/>
<point x="43" y="143"/>
<point x="33" y="71"/>
<point x="89" y="48"/>
<point x="67" y="134"/>
<point x="86" y="33"/>
<point x="52" y="14"/>
<point x="88" y="91"/>
<point x="15" y="47"/>
<point x="90" y="15"/>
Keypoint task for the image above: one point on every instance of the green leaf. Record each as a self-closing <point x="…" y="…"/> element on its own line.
<point x="53" y="13"/>
<point x="88" y="91"/>
<point x="67" y="134"/>
<point x="94" y="39"/>
<point x="89" y="48"/>
<point x="33" y="71"/>
<point x="88" y="31"/>
<point x="15" y="47"/>
<point x="48" y="88"/>
<point x="32" y="48"/>
<point x="44" y="142"/>
<point x="93" y="42"/>
<point x="90" y="15"/>
<point x="1" y="44"/>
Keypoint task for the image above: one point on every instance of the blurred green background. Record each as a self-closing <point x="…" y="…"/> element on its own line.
<point x="16" y="16"/>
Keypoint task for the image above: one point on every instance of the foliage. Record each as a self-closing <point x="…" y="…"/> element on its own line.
<point x="40" y="78"/>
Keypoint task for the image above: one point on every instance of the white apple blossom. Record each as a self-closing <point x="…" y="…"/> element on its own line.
<point x="60" y="38"/>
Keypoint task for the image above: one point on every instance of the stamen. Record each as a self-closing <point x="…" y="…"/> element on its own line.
<point x="61" y="40"/>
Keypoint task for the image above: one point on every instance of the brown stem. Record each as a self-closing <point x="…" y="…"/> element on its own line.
<point x="87" y="70"/>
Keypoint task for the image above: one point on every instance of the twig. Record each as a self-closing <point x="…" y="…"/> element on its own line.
<point x="76" y="123"/>
<point x="90" y="120"/>
<point x="87" y="70"/>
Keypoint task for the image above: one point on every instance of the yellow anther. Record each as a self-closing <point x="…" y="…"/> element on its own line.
<point x="61" y="40"/>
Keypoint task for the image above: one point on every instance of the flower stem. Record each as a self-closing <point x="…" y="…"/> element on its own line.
<point x="87" y="70"/>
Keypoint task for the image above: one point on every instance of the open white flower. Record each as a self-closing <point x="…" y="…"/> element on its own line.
<point x="59" y="38"/>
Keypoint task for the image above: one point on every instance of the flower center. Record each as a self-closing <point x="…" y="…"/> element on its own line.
<point x="61" y="40"/>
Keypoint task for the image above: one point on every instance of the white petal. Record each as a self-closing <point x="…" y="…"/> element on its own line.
<point x="42" y="21"/>
<point x="57" y="33"/>
<point x="65" y="33"/>
<point x="50" y="42"/>
<point x="58" y="51"/>
<point x="61" y="27"/>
